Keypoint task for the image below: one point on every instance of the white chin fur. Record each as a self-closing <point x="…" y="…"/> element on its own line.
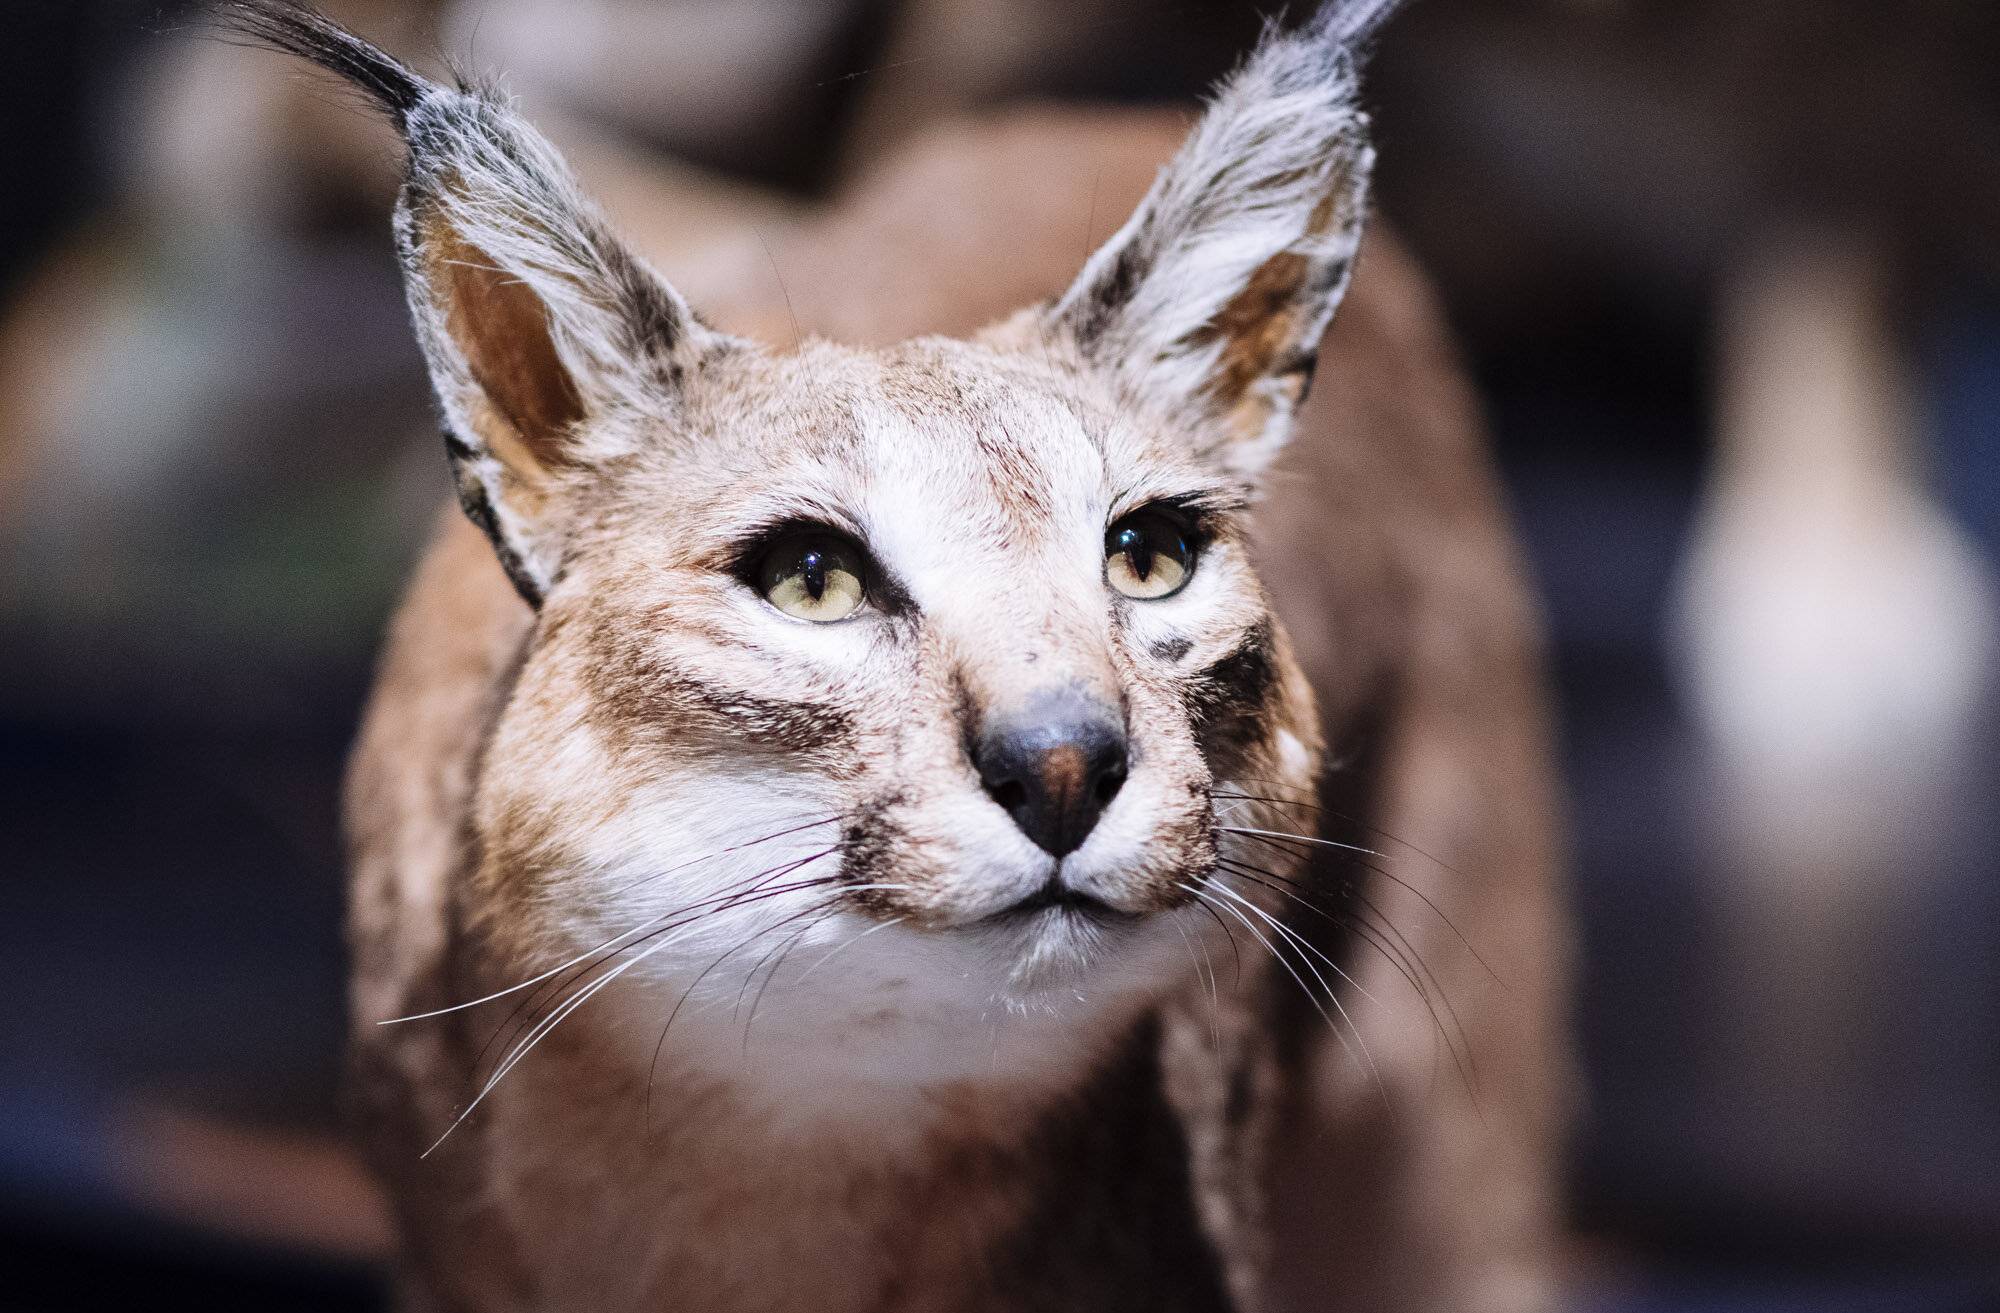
<point x="806" y="1004"/>
<point x="857" y="1015"/>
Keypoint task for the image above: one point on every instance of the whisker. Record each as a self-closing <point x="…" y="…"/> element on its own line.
<point x="1298" y="942"/>
<point x="773" y="951"/>
<point x="1311" y="997"/>
<point x="1468" y="1066"/>
<point x="1214" y="1004"/>
<point x="560" y="968"/>
<point x="542" y="1031"/>
<point x="743" y="898"/>
<point x="1279" y="837"/>
<point x="1355" y="821"/>
<point x="825" y="909"/>
<point x="659" y="1046"/>
<point x="530" y="1035"/>
<point x="723" y="901"/>
<point x="1299" y="838"/>
<point x="1276" y="884"/>
<point x="1234" y="952"/>
<point x="1297" y="939"/>
<point x="800" y="828"/>
<point x="694" y="984"/>
<point x="1406" y="961"/>
<point x="845" y="890"/>
<point x="880" y="925"/>
<point x="792" y="942"/>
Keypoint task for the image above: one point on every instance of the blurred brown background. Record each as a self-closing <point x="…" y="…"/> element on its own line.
<point x="1729" y="277"/>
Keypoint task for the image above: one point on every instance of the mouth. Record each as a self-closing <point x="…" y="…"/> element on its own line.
<point x="1062" y="943"/>
<point x="1053" y="900"/>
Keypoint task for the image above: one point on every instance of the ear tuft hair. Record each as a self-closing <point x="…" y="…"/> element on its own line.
<point x="299" y="29"/>
<point x="544" y="333"/>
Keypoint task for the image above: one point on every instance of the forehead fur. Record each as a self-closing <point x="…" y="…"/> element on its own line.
<point x="1013" y="440"/>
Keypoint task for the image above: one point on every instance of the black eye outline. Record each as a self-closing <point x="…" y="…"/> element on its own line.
<point x="1156" y="529"/>
<point x="771" y="560"/>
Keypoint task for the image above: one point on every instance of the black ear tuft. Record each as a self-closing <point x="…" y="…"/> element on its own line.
<point x="299" y="29"/>
<point x="539" y="325"/>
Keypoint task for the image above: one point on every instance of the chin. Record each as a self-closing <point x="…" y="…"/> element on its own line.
<point x="1066" y="957"/>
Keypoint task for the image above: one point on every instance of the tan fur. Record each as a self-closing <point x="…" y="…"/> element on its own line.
<point x="1383" y="551"/>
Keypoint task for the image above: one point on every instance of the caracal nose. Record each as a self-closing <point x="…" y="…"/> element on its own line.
<point x="1055" y="769"/>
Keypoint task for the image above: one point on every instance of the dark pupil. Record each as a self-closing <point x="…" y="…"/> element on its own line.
<point x="1138" y="552"/>
<point x="812" y="568"/>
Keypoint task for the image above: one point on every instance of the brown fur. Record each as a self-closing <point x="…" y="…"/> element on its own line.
<point x="517" y="368"/>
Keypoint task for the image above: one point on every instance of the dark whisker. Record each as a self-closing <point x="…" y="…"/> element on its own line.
<point x="1468" y="1067"/>
<point x="1355" y="821"/>
<point x="1271" y="880"/>
<point x="1299" y="941"/>
<point x="1234" y="952"/>
<point x="776" y="956"/>
<point x="659" y="1046"/>
<point x="1214" y="1003"/>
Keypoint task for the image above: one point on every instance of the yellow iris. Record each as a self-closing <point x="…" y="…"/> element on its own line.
<point x="813" y="577"/>
<point x="1147" y="556"/>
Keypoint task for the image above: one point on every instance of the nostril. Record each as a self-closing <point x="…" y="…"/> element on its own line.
<point x="1009" y="794"/>
<point x="1109" y="782"/>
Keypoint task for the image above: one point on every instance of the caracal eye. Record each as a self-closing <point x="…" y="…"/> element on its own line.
<point x="812" y="576"/>
<point x="1148" y="555"/>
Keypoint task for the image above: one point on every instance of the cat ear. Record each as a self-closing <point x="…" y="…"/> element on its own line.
<point x="537" y="323"/>
<point x="1217" y="291"/>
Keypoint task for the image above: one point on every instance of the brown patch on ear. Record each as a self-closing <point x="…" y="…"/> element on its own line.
<point x="501" y="328"/>
<point x="1259" y="328"/>
<point x="1263" y="330"/>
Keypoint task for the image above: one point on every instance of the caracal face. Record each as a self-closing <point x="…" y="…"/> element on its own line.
<point x="928" y="659"/>
<point x="681" y="743"/>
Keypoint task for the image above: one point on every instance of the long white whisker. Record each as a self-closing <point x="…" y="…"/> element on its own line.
<point x="547" y="1025"/>
<point x="1301" y="838"/>
<point x="639" y="929"/>
<point x="884" y="925"/>
<point x="1304" y="988"/>
<point x="1294" y="937"/>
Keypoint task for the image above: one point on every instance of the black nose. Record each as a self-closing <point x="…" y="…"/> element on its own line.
<point x="1054" y="772"/>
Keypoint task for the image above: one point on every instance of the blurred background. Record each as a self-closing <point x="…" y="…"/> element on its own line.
<point x="1728" y="272"/>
